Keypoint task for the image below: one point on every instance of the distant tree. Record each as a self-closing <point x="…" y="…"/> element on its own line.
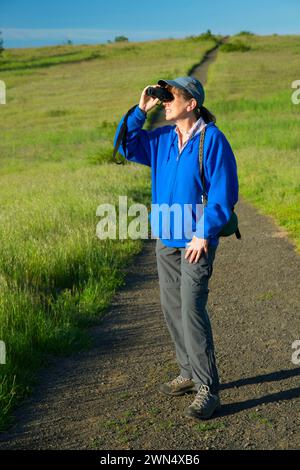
<point x="121" y="39"/>
<point x="69" y="42"/>
<point x="204" y="36"/>
<point x="109" y="41"/>
<point x="207" y="35"/>
<point x="245" y="33"/>
<point x="1" y="43"/>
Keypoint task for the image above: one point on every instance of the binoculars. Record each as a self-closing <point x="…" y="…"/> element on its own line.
<point x="161" y="93"/>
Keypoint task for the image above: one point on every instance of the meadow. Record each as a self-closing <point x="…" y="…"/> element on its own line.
<point x="57" y="128"/>
<point x="250" y="91"/>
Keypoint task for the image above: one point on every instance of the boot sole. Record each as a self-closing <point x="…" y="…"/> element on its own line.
<point x="194" y="415"/>
<point x="178" y="392"/>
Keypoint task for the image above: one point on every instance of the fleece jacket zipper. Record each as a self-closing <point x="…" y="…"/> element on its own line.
<point x="172" y="191"/>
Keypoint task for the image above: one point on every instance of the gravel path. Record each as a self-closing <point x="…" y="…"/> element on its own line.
<point x="107" y="398"/>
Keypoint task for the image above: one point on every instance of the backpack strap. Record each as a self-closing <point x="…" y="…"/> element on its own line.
<point x="204" y="195"/>
<point x="202" y="135"/>
<point x="122" y="137"/>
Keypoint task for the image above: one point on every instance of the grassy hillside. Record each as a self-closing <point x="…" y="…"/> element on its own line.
<point x="57" y="129"/>
<point x="250" y="92"/>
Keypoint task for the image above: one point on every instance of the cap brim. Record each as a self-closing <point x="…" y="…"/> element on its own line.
<point x="176" y="84"/>
<point x="170" y="82"/>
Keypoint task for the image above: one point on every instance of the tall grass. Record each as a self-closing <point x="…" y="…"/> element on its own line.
<point x="56" y="276"/>
<point x="57" y="131"/>
<point x="250" y="92"/>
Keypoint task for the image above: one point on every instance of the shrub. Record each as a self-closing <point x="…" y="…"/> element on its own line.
<point x="237" y="46"/>
<point x="245" y="33"/>
<point x="121" y="39"/>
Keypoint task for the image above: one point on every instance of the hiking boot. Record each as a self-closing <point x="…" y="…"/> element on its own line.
<point x="204" y="404"/>
<point x="178" y="386"/>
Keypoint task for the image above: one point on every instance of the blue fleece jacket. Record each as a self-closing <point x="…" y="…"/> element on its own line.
<point x="176" y="177"/>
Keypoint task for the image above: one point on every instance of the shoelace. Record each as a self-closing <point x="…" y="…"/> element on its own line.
<point x="202" y="396"/>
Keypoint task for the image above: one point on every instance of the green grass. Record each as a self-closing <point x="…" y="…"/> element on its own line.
<point x="124" y="429"/>
<point x="9" y="61"/>
<point x="235" y="46"/>
<point x="60" y="112"/>
<point x="203" y="427"/>
<point x="250" y="92"/>
<point x="57" y="128"/>
<point x="259" y="419"/>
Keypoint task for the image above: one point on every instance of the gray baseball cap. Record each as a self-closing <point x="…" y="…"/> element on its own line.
<point x="190" y="84"/>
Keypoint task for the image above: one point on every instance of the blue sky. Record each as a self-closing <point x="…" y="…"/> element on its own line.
<point x="26" y="23"/>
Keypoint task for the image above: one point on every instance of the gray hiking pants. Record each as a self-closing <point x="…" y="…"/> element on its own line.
<point x="184" y="293"/>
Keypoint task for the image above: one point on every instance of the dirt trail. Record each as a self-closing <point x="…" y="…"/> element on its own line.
<point x="106" y="398"/>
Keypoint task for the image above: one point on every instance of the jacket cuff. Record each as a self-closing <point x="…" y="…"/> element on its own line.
<point x="139" y="113"/>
